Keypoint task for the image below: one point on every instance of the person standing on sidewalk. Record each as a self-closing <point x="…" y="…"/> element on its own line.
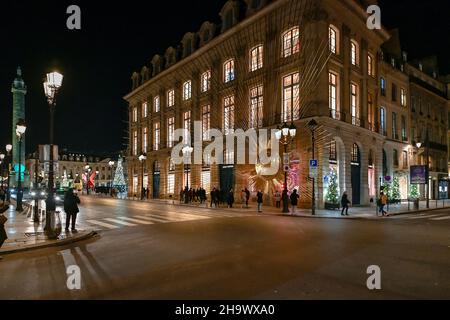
<point x="243" y="198"/>
<point x="345" y="204"/>
<point x="247" y="197"/>
<point x="277" y="198"/>
<point x="71" y="202"/>
<point x="294" y="200"/>
<point x="259" y="200"/>
<point x="230" y="198"/>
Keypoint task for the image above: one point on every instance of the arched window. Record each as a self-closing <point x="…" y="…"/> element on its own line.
<point x="256" y="57"/>
<point x="383" y="86"/>
<point x="291" y="42"/>
<point x="333" y="39"/>
<point x="228" y="71"/>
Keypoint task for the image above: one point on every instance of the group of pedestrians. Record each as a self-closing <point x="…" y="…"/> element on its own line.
<point x="193" y="195"/>
<point x="382" y="202"/>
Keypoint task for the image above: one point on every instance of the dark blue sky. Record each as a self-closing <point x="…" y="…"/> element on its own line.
<point x="117" y="39"/>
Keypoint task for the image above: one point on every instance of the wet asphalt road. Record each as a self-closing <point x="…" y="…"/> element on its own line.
<point x="191" y="253"/>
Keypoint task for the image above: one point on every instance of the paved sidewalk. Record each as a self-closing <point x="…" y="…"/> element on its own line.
<point x="24" y="234"/>
<point x="354" y="212"/>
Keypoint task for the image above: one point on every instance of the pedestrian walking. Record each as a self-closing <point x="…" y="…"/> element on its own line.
<point x="230" y="198"/>
<point x="247" y="197"/>
<point x="277" y="198"/>
<point x="71" y="202"/>
<point x="260" y="200"/>
<point x="382" y="202"/>
<point x="243" y="198"/>
<point x="3" y="219"/>
<point x="294" y="200"/>
<point x="345" y="204"/>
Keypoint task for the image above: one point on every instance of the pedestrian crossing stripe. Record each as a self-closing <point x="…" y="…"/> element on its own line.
<point x="121" y="222"/>
<point x="425" y="217"/>
<point x="182" y="216"/>
<point x="139" y="221"/>
<point x="441" y="218"/>
<point x="102" y="224"/>
<point x="161" y="219"/>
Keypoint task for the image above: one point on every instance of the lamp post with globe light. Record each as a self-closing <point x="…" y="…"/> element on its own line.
<point x="187" y="151"/>
<point x="52" y="85"/>
<point x="142" y="159"/>
<point x="286" y="135"/>
<point x="21" y="127"/>
<point x="312" y="125"/>
<point x="111" y="169"/>
<point x="2" y="162"/>
<point x="9" y="148"/>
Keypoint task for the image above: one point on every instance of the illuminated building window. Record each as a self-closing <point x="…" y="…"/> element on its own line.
<point x="228" y="115"/>
<point x="187" y="90"/>
<point x="291" y="42"/>
<point x="156" y="136"/>
<point x="333" y="39"/>
<point x="145" y="110"/>
<point x="291" y="97"/>
<point x="228" y="71"/>
<point x="256" y="107"/>
<point x="171" y="98"/>
<point x="206" y="81"/>
<point x="256" y="58"/>
<point x="170" y="131"/>
<point x="157" y="104"/>
<point x="206" y="122"/>
<point x="354" y="52"/>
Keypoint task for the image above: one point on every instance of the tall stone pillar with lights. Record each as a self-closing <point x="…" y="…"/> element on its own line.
<point x="19" y="90"/>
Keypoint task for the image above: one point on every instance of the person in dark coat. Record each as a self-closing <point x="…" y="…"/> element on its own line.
<point x="247" y="197"/>
<point x="260" y="200"/>
<point x="294" y="200"/>
<point x="71" y="202"/>
<point x="345" y="204"/>
<point x="230" y="198"/>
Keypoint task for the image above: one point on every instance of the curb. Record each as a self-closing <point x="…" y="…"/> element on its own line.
<point x="57" y="243"/>
<point x="363" y="218"/>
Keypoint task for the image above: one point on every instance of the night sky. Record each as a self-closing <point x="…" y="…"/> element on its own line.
<point x="119" y="38"/>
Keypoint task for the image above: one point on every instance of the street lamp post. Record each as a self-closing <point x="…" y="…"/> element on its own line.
<point x="312" y="125"/>
<point x="187" y="151"/>
<point x="427" y="156"/>
<point x="52" y="84"/>
<point x="111" y="166"/>
<point x="142" y="159"/>
<point x="8" y="151"/>
<point x="88" y="176"/>
<point x="286" y="135"/>
<point x="2" y="162"/>
<point x="21" y="127"/>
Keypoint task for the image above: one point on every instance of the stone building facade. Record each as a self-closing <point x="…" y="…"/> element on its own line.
<point x="269" y="63"/>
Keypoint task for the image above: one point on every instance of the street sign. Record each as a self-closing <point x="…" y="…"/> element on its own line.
<point x="286" y="158"/>
<point x="313" y="165"/>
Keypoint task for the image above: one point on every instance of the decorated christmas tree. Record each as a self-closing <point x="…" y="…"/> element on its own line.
<point x="414" y="192"/>
<point x="119" y="179"/>
<point x="395" y="192"/>
<point x="333" y="192"/>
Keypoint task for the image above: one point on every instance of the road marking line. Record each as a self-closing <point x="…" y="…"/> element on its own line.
<point x="102" y="224"/>
<point x="136" y="220"/>
<point x="152" y="218"/>
<point x="121" y="222"/>
<point x="441" y="219"/>
<point x="425" y="217"/>
<point x="178" y="216"/>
